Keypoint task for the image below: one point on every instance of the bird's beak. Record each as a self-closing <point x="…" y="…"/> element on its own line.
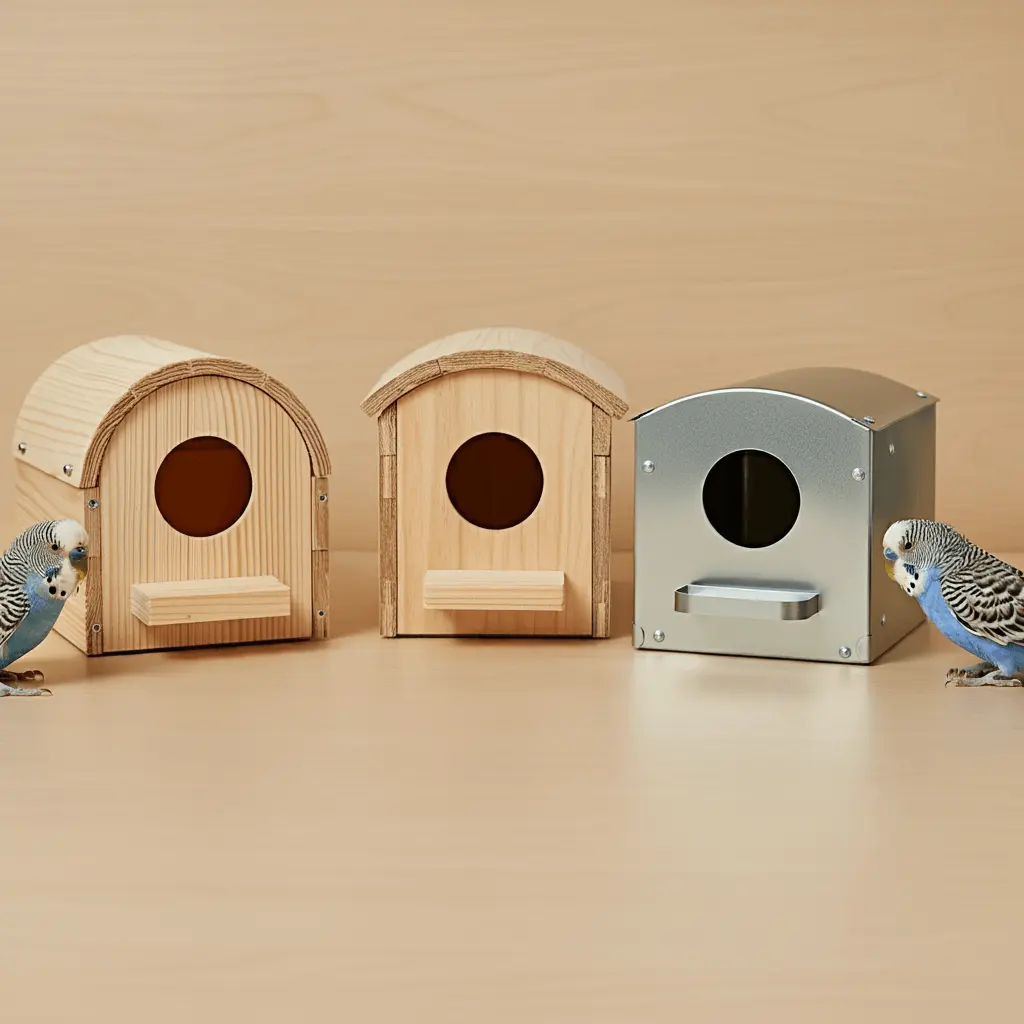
<point x="890" y="569"/>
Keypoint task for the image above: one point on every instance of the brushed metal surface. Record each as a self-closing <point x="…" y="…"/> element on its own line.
<point x="830" y="549"/>
<point x="746" y="602"/>
<point x="854" y="393"/>
<point x="904" y="488"/>
<point x="825" y="552"/>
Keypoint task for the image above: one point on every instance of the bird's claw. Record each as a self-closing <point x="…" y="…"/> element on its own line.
<point x="967" y="677"/>
<point x="31" y="676"/>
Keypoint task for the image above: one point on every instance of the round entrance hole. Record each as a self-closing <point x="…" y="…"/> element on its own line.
<point x="494" y="481"/>
<point x="203" y="486"/>
<point x="751" y="498"/>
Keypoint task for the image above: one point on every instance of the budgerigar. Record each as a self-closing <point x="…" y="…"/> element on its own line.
<point x="41" y="569"/>
<point x="973" y="598"/>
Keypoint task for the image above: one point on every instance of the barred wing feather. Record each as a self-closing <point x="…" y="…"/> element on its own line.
<point x="987" y="596"/>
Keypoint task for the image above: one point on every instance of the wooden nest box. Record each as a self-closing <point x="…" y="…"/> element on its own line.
<point x="495" y="465"/>
<point x="202" y="483"/>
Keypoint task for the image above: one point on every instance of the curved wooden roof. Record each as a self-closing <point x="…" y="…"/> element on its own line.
<point x="77" y="402"/>
<point x="507" y="348"/>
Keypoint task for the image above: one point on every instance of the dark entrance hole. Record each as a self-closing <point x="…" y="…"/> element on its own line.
<point x="494" y="481"/>
<point x="203" y="486"/>
<point x="751" y="498"/>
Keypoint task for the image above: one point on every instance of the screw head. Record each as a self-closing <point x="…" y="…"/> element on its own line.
<point x="658" y="636"/>
<point x="892" y="449"/>
<point x="845" y="652"/>
<point x="68" y="469"/>
<point x="868" y="419"/>
<point x="922" y="394"/>
<point x="859" y="474"/>
<point x="96" y="627"/>
<point x="22" y="447"/>
<point x="648" y="466"/>
<point x="93" y="503"/>
<point x="321" y="497"/>
<point x="321" y="612"/>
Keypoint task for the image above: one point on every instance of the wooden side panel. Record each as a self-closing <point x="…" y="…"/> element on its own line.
<point x="602" y="520"/>
<point x="274" y="536"/>
<point x="38" y="496"/>
<point x="602" y="564"/>
<point x="602" y="432"/>
<point x="387" y="530"/>
<point x="433" y="421"/>
<point x="321" y="609"/>
<point x="321" y="514"/>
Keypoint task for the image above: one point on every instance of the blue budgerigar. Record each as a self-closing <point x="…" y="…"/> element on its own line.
<point x="41" y="569"/>
<point x="973" y="598"/>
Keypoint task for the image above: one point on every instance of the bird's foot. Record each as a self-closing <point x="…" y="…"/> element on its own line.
<point x="975" y="671"/>
<point x="995" y="678"/>
<point x="34" y="675"/>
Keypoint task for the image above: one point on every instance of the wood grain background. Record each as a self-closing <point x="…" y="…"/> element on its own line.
<point x="694" y="191"/>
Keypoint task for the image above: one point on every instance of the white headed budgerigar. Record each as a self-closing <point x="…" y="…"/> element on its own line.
<point x="973" y="598"/>
<point x="42" y="568"/>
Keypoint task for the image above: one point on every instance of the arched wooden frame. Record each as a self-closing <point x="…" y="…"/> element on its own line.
<point x="101" y="370"/>
<point x="507" y="348"/>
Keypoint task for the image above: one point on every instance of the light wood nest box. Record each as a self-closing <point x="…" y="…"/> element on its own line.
<point x="495" y="466"/>
<point x="202" y="483"/>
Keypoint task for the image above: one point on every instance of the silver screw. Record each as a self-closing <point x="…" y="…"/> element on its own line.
<point x="922" y="394"/>
<point x="321" y="613"/>
<point x="859" y="474"/>
<point x="868" y="419"/>
<point x="648" y="466"/>
<point x="322" y="497"/>
<point x="844" y="652"/>
<point x="883" y="618"/>
<point x="96" y="627"/>
<point x="658" y="636"/>
<point x="22" y="447"/>
<point x="93" y="504"/>
<point x="68" y="469"/>
<point x="892" y="449"/>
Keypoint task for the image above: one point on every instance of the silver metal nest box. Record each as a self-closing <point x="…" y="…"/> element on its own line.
<point x="760" y="510"/>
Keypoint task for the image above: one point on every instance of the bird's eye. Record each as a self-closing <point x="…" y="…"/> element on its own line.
<point x="909" y="546"/>
<point x="55" y="547"/>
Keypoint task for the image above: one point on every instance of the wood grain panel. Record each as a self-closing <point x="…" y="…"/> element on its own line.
<point x="274" y="536"/>
<point x="697" y="193"/>
<point x="557" y="424"/>
<point x="321" y="610"/>
<point x="321" y="518"/>
<point x="602" y="560"/>
<point x="387" y="524"/>
<point x="139" y="545"/>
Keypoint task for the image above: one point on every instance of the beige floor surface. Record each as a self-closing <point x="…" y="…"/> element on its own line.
<point x="434" y="830"/>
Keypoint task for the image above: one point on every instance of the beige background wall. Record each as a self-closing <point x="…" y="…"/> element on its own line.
<point x="695" y="191"/>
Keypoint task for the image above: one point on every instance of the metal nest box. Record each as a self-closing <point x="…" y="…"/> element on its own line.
<point x="760" y="509"/>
